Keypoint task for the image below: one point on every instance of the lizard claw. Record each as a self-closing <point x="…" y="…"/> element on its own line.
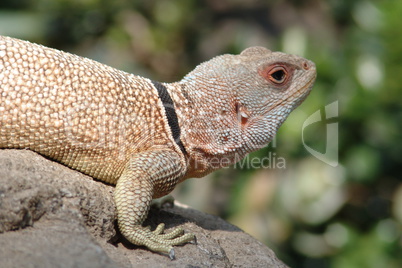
<point x="194" y="241"/>
<point x="171" y="254"/>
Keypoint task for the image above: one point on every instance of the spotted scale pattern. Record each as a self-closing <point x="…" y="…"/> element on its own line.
<point x="92" y="118"/>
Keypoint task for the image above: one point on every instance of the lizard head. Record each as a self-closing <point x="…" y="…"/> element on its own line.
<point x="238" y="102"/>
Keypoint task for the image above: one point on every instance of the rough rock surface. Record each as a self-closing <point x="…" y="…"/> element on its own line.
<point x="52" y="216"/>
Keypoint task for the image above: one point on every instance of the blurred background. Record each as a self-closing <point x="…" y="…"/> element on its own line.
<point x="327" y="191"/>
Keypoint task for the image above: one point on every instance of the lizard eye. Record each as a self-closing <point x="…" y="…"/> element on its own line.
<point x="277" y="75"/>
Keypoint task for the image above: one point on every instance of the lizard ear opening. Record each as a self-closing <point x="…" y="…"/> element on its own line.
<point x="242" y="114"/>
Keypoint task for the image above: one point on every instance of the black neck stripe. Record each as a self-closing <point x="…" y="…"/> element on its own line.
<point x="170" y="113"/>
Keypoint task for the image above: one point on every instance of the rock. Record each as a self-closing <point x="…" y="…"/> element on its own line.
<point x="52" y="216"/>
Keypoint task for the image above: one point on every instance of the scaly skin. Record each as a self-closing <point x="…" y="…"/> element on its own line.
<point x="119" y="128"/>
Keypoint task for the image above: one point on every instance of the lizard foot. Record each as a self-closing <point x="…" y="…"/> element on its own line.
<point x="157" y="241"/>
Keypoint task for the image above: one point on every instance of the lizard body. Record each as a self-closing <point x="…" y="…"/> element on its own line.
<point x="142" y="135"/>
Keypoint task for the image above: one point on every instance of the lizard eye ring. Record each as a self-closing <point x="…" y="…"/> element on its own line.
<point x="278" y="75"/>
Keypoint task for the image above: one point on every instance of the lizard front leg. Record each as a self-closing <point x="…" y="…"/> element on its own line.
<point x="147" y="174"/>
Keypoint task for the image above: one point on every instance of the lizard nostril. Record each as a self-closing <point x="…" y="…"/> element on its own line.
<point x="305" y="65"/>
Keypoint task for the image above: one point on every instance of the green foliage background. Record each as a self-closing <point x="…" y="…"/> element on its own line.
<point x="312" y="214"/>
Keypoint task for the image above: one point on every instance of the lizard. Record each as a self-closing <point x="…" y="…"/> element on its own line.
<point x="141" y="135"/>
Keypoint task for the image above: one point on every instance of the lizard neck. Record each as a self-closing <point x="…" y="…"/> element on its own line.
<point x="203" y="125"/>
